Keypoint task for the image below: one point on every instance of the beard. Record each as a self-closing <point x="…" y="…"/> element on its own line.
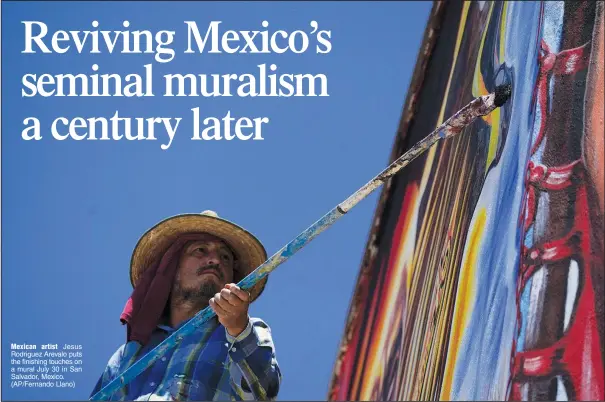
<point x="196" y="296"/>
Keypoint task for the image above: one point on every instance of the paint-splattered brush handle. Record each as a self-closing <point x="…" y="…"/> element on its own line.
<point x="454" y="125"/>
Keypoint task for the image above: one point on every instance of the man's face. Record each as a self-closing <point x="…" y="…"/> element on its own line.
<point x="205" y="267"/>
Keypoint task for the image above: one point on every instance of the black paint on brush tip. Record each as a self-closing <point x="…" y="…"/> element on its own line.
<point x="502" y="93"/>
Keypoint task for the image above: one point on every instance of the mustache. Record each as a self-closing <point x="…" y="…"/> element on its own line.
<point x="211" y="268"/>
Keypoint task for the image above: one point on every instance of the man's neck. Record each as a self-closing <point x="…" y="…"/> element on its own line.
<point x="181" y="311"/>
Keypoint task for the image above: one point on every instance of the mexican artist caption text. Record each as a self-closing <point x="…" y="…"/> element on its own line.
<point x="45" y="366"/>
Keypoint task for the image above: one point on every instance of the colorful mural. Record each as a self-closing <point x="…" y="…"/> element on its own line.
<point x="483" y="274"/>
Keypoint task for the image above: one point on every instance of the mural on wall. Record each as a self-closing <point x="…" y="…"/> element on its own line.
<point x="483" y="274"/>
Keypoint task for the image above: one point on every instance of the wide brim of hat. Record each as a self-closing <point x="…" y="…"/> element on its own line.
<point x="154" y="243"/>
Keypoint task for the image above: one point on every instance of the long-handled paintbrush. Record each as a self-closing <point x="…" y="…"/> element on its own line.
<point x="454" y="125"/>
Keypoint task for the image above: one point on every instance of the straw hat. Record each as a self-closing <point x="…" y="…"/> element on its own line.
<point x="152" y="245"/>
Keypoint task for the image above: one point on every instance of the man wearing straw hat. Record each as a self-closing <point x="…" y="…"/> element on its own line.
<point x="179" y="267"/>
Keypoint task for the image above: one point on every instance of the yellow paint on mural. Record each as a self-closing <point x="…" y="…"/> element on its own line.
<point x="464" y="299"/>
<point x="503" y="32"/>
<point x="493" y="138"/>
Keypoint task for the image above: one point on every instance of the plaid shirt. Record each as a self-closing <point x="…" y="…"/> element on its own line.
<point x="206" y="365"/>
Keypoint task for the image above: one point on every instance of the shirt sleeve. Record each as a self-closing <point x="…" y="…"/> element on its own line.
<point x="111" y="371"/>
<point x="255" y="373"/>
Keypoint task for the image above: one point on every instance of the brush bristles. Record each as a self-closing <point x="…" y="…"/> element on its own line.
<point x="502" y="94"/>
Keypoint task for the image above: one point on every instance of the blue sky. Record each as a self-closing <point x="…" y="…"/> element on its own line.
<point x="72" y="211"/>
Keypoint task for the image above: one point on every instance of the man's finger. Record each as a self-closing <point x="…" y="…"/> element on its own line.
<point x="230" y="297"/>
<point x="217" y="308"/>
<point x="243" y="295"/>
<point x="225" y="305"/>
<point x="220" y="301"/>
